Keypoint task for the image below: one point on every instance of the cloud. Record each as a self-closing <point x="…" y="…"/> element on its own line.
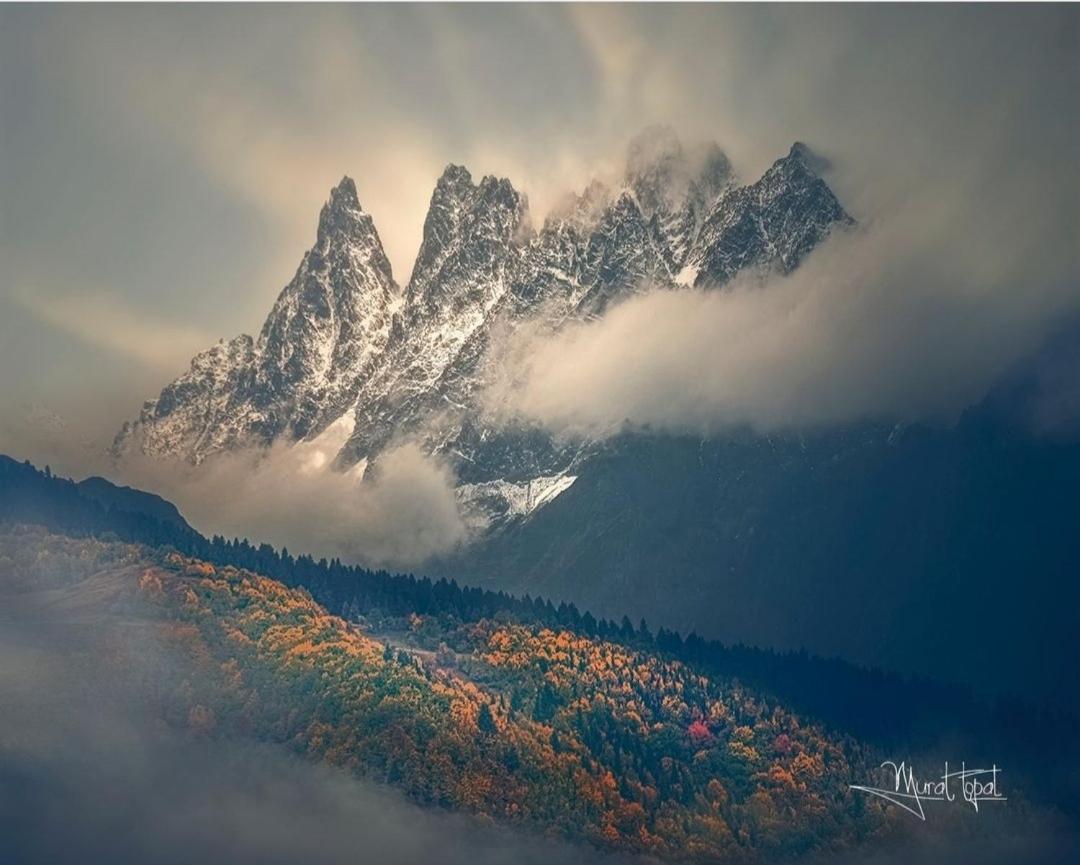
<point x="282" y="159"/>
<point x="958" y="165"/>
<point x="899" y="320"/>
<point x="107" y="321"/>
<point x="274" y="109"/>
<point x="400" y="513"/>
<point x="396" y="513"/>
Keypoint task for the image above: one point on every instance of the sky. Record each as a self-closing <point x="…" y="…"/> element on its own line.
<point x="162" y="169"/>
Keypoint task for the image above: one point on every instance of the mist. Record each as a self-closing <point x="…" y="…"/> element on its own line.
<point x="90" y="772"/>
<point x="398" y="513"/>
<point x="913" y="317"/>
<point x="953" y="149"/>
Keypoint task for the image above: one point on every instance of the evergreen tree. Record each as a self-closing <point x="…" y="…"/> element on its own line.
<point x="485" y="721"/>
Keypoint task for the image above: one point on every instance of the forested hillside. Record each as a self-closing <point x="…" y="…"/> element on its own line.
<point x="846" y="541"/>
<point x="547" y="729"/>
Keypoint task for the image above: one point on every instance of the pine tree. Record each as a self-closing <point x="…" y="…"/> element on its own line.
<point x="485" y="720"/>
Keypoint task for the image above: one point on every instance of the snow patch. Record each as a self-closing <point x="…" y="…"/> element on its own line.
<point x="688" y="275"/>
<point x="495" y="501"/>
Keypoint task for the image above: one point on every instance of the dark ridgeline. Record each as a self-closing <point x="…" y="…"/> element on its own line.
<point x="872" y="704"/>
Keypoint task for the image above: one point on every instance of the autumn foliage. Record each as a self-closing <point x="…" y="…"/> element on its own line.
<point x="548" y="729"/>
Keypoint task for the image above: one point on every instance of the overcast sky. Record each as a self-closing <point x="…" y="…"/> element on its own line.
<point x="162" y="168"/>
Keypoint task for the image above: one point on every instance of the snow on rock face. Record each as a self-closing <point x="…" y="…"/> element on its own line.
<point x="302" y="373"/>
<point x="342" y="338"/>
<point x="328" y="324"/>
<point x="774" y="222"/>
<point x="494" y="502"/>
<point x="191" y="416"/>
<point x="460" y="276"/>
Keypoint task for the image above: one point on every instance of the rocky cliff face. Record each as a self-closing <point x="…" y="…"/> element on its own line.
<point x="774" y="222"/>
<point x="343" y="338"/>
<point x="326" y="327"/>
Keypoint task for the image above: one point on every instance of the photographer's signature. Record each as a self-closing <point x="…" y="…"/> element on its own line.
<point x="973" y="786"/>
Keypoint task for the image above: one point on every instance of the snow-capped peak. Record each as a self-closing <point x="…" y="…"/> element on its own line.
<point x="343" y="340"/>
<point x="327" y="324"/>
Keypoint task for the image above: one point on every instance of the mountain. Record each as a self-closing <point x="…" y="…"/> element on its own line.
<point x="343" y="341"/>
<point x="778" y="219"/>
<point x="302" y="373"/>
<point x="26" y="491"/>
<point x="92" y="505"/>
<point x="866" y="542"/>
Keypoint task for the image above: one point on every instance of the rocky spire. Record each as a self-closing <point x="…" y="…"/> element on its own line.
<point x="468" y="232"/>
<point x="343" y="223"/>
<point x="329" y="321"/>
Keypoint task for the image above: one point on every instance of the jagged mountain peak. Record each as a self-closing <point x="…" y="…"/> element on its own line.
<point x="493" y="187"/>
<point x="799" y="166"/>
<point x="342" y="207"/>
<point x="772" y="223"/>
<point x="345" y="193"/>
<point x="455" y="181"/>
<point x="465" y="224"/>
<point x="344" y="223"/>
<point x="456" y="184"/>
<point x="342" y="337"/>
<point x="301" y="373"/>
<point x="810" y="159"/>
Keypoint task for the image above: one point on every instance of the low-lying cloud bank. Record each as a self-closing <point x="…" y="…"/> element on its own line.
<point x="401" y="513"/>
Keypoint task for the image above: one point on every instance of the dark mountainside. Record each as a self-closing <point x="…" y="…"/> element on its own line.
<point x="950" y="553"/>
<point x="131" y="500"/>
